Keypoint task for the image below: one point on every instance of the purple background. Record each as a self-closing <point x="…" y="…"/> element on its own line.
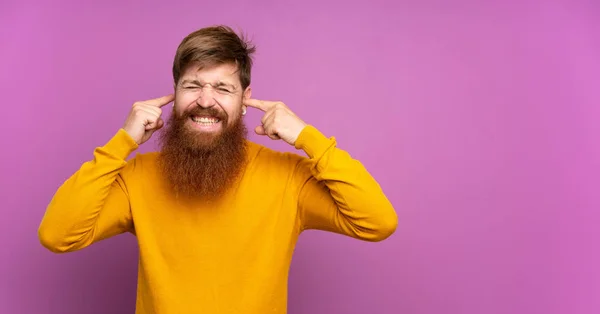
<point x="479" y="119"/>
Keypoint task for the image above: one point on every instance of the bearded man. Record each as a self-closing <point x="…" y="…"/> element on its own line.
<point x="216" y="216"/>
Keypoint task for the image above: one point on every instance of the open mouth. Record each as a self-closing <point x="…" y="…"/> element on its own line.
<point x="205" y="121"/>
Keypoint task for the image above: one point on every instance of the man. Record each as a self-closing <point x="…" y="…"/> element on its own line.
<point x="216" y="216"/>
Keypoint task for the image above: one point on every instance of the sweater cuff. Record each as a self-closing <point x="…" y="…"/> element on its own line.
<point x="121" y="145"/>
<point x="313" y="142"/>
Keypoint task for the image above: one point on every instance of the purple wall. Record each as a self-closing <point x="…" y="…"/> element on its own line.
<point x="480" y="121"/>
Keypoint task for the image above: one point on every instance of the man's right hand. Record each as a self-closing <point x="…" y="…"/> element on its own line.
<point x="144" y="118"/>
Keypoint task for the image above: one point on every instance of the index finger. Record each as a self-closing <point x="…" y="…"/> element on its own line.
<point x="260" y="104"/>
<point x="160" y="101"/>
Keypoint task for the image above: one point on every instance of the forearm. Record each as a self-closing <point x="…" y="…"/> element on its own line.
<point x="346" y="199"/>
<point x="92" y="204"/>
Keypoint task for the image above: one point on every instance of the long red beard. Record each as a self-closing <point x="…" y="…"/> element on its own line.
<point x="198" y="165"/>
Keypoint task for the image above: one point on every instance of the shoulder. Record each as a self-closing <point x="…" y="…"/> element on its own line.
<point x="145" y="158"/>
<point x="140" y="165"/>
<point x="263" y="154"/>
<point x="284" y="164"/>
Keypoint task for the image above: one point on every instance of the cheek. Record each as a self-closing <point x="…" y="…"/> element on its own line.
<point x="183" y="99"/>
<point x="182" y="102"/>
<point x="232" y="107"/>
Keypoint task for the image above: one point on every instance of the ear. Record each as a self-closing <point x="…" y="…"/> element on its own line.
<point x="247" y="95"/>
<point x="174" y="93"/>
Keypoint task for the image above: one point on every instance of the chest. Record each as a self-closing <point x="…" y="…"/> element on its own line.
<point x="248" y="225"/>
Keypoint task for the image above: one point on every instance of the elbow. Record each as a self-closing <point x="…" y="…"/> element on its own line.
<point x="385" y="228"/>
<point x="52" y="240"/>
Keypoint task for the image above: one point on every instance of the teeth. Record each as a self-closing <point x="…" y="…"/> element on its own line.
<point x="205" y="120"/>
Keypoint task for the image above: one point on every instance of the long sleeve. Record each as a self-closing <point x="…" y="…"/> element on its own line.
<point x="93" y="203"/>
<point x="338" y="194"/>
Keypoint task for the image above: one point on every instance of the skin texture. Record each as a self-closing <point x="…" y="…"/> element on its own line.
<point x="214" y="92"/>
<point x="145" y="118"/>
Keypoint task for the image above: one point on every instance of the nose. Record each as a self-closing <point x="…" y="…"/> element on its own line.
<point x="206" y="97"/>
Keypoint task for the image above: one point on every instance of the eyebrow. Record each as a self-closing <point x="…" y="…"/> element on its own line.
<point x="217" y="84"/>
<point x="225" y="84"/>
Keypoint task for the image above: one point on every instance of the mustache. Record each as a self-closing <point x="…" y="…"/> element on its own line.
<point x="212" y="111"/>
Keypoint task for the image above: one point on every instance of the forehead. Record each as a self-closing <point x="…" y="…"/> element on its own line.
<point x="224" y="73"/>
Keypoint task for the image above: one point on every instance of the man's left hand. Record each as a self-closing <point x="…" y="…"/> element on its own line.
<point x="278" y="122"/>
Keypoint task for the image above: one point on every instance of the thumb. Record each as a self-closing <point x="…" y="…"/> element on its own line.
<point x="159" y="124"/>
<point x="260" y="130"/>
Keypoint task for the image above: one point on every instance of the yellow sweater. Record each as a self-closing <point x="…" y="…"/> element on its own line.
<point x="231" y="257"/>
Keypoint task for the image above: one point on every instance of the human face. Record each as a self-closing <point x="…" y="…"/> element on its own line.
<point x="212" y="97"/>
<point x="203" y="157"/>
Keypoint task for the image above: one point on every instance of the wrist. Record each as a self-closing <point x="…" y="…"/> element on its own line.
<point x="313" y="142"/>
<point x="121" y="145"/>
<point x="132" y="135"/>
